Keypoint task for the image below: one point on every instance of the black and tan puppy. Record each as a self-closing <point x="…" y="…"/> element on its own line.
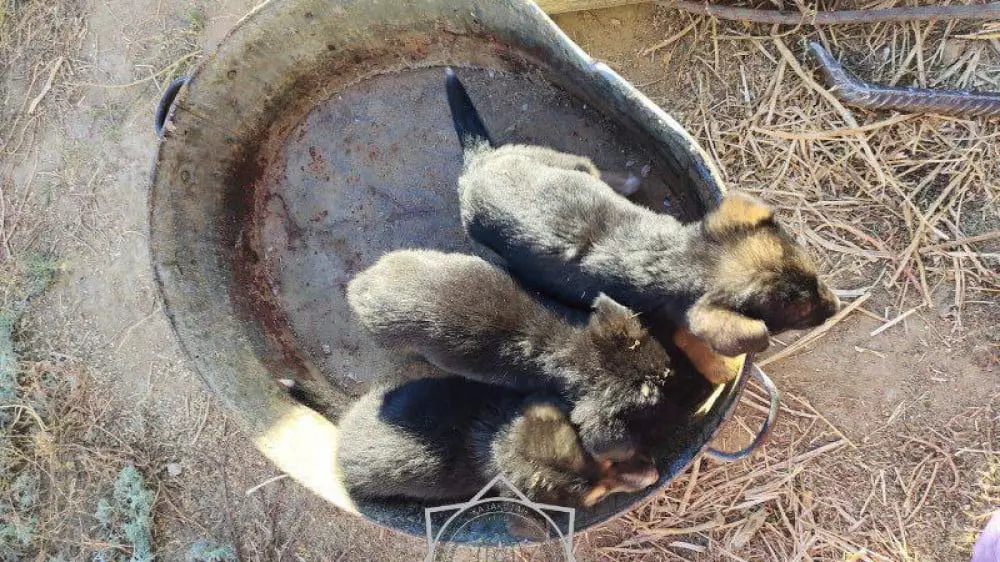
<point x="730" y="279"/>
<point x="472" y="319"/>
<point x="445" y="438"/>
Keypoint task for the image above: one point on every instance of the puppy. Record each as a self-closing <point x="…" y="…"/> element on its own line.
<point x="472" y="319"/>
<point x="730" y="279"/>
<point x="445" y="438"/>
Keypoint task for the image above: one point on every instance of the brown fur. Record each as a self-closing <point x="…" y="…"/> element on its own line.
<point x="718" y="369"/>
<point x="545" y="438"/>
<point x="731" y="278"/>
<point x="737" y="211"/>
<point x="473" y="319"/>
<point x="731" y="333"/>
<point x="762" y="281"/>
<point x="445" y="438"/>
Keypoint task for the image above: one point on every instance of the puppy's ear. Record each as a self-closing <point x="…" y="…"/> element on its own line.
<point x="538" y="411"/>
<point x="726" y="331"/>
<point x="607" y="308"/>
<point x="610" y="318"/>
<point x="736" y="212"/>
<point x="612" y="450"/>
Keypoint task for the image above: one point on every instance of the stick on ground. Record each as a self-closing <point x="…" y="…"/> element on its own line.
<point x="48" y="85"/>
<point x="893" y="322"/>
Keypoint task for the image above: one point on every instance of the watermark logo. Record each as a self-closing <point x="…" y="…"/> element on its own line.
<point x="489" y="524"/>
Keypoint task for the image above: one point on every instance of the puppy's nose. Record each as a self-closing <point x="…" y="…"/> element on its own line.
<point x="831" y="303"/>
<point x="835" y="304"/>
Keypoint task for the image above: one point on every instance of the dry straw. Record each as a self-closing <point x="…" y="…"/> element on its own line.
<point x="904" y="206"/>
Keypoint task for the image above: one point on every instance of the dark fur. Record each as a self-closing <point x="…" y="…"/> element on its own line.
<point x="468" y="126"/>
<point x="446" y="438"/>
<point x="473" y="136"/>
<point x="730" y="279"/>
<point x="472" y="319"/>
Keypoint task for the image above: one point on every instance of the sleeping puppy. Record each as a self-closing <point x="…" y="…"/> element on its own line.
<point x="472" y="319"/>
<point x="445" y="438"/>
<point x="730" y="279"/>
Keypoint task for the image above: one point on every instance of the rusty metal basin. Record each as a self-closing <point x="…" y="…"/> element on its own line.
<point x="317" y="138"/>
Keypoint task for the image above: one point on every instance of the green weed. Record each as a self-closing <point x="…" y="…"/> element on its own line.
<point x="126" y="518"/>
<point x="207" y="551"/>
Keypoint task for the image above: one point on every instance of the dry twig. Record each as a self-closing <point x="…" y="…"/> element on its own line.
<point x="47" y="86"/>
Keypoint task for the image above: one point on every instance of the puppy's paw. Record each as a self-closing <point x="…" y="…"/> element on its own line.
<point x="751" y="336"/>
<point x="715" y="367"/>
<point x="748" y="336"/>
<point x="727" y="332"/>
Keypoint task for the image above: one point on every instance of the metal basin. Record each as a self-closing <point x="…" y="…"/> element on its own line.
<point x="317" y="138"/>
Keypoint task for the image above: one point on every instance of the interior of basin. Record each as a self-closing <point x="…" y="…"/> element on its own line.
<point x="370" y="165"/>
<point x="374" y="169"/>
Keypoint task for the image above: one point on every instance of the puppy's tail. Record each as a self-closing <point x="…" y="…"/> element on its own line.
<point x="472" y="134"/>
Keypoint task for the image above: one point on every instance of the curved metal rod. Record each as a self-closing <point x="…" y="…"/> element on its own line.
<point x="166" y="102"/>
<point x="765" y="429"/>
<point x="854" y="92"/>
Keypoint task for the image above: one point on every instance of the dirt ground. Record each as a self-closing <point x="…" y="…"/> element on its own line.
<point x="76" y="187"/>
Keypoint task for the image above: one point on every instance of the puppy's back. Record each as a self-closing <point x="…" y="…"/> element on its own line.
<point x="407" y="289"/>
<point x="418" y="440"/>
<point x="400" y="284"/>
<point x="459" y="312"/>
<point x="554" y="221"/>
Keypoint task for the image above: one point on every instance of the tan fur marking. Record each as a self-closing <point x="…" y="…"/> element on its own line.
<point x="738" y="210"/>
<point x="544" y="412"/>
<point x="567" y="447"/>
<point x="743" y="260"/>
<point x="727" y="332"/>
<point x="615" y="481"/>
<point x="718" y="369"/>
<point x="596" y="494"/>
<point x="759" y="251"/>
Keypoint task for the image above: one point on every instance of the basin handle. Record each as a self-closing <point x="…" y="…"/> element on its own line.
<point x="166" y="102"/>
<point x="765" y="430"/>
